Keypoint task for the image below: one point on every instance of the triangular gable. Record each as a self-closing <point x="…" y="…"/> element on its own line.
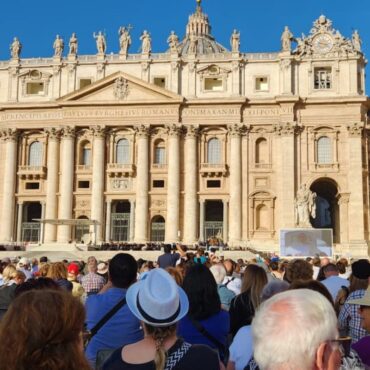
<point x="121" y="87"/>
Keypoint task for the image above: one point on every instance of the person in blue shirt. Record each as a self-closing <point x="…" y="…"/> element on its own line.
<point x="123" y="327"/>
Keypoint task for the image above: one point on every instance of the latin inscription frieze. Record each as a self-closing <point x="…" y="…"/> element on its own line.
<point x="267" y="112"/>
<point x="191" y="112"/>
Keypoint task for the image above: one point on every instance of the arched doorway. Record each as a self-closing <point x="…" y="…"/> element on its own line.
<point x="214" y="219"/>
<point x="30" y="228"/>
<point x="157" y="229"/>
<point x="327" y="208"/>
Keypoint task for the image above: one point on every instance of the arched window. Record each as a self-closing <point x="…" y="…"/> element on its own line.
<point x="160" y="152"/>
<point x="324" y="152"/>
<point x="262" y="215"/>
<point x="35" y="154"/>
<point x="85" y="158"/>
<point x="262" y="155"/>
<point x="123" y="151"/>
<point x="214" y="151"/>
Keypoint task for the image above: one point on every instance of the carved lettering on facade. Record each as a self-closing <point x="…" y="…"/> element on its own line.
<point x="268" y="112"/>
<point x="190" y="112"/>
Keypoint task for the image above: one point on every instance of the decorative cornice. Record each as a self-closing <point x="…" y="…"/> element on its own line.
<point x="174" y="130"/>
<point x="286" y="129"/>
<point x="236" y="130"/>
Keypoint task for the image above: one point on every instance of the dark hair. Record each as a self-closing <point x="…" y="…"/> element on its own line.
<point x="330" y="267"/>
<point x="201" y="289"/>
<point x="41" y="331"/>
<point x="299" y="269"/>
<point x="36" y="284"/>
<point x="341" y="267"/>
<point x="313" y="285"/>
<point x="122" y="270"/>
<point x="274" y="266"/>
<point x="167" y="248"/>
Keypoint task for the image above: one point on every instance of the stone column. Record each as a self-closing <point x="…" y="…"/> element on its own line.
<point x="355" y="177"/>
<point x="191" y="197"/>
<point x="66" y="183"/>
<point x="201" y="219"/>
<point x="286" y="170"/>
<point x="108" y="221"/>
<point x="235" y="216"/>
<point x="343" y="200"/>
<point x="19" y="222"/>
<point x="236" y="77"/>
<point x="97" y="192"/>
<point x="10" y="137"/>
<point x="173" y="184"/>
<point x="142" y="184"/>
<point x="51" y="208"/>
<point x="226" y="221"/>
<point x="42" y="225"/>
<point x="132" y="220"/>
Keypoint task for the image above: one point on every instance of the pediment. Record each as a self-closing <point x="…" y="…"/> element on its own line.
<point x="121" y="88"/>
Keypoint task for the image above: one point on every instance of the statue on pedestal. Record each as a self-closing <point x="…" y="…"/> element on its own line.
<point x="124" y="39"/>
<point x="173" y="42"/>
<point x="58" y="46"/>
<point x="305" y="205"/>
<point x="15" y="48"/>
<point x="146" y="46"/>
<point x="73" y="44"/>
<point x="286" y="39"/>
<point x="235" y="41"/>
<point x="100" y="42"/>
<point x="356" y="41"/>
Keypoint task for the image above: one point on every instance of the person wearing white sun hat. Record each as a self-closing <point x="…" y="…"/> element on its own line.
<point x="160" y="303"/>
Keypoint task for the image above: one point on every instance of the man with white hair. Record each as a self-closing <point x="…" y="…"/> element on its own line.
<point x="294" y="330"/>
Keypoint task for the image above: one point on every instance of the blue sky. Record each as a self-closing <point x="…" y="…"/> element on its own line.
<point x="36" y="22"/>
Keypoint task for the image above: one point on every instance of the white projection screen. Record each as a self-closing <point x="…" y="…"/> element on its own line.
<point x="306" y="242"/>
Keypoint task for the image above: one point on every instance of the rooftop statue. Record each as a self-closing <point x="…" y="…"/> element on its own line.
<point x="235" y="41"/>
<point x="173" y="42"/>
<point x="73" y="44"/>
<point x="58" y="46"/>
<point x="146" y="46"/>
<point x="356" y="41"/>
<point x="124" y="39"/>
<point x="286" y="40"/>
<point x="15" y="48"/>
<point x="101" y="44"/>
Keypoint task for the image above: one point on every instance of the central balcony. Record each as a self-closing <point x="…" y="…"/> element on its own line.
<point x="120" y="170"/>
<point x="213" y="169"/>
<point x="32" y="172"/>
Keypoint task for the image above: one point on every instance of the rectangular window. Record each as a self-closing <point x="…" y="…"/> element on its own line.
<point x="32" y="185"/>
<point x="160" y="82"/>
<point x="84" y="184"/>
<point x="213" y="184"/>
<point x="85" y="82"/>
<point x="158" y="183"/>
<point x="262" y="84"/>
<point x="323" y="78"/>
<point x="213" y="84"/>
<point x="35" y="88"/>
<point x="160" y="156"/>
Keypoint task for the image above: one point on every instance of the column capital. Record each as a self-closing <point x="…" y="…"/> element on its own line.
<point x="68" y="132"/>
<point x="142" y="130"/>
<point x="9" y="134"/>
<point x="98" y="131"/>
<point x="355" y="129"/>
<point x="174" y="130"/>
<point x="236" y="129"/>
<point x="53" y="133"/>
<point x="286" y="129"/>
<point x="192" y="131"/>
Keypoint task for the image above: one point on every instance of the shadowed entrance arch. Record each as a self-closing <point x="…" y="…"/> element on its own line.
<point x="158" y="228"/>
<point x="327" y="208"/>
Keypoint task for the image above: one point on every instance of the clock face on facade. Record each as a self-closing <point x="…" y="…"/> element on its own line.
<point x="323" y="43"/>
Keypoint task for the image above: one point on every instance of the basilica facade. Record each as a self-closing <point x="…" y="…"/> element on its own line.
<point x="199" y="141"/>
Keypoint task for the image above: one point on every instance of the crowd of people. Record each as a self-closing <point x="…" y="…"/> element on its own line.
<point x="187" y="310"/>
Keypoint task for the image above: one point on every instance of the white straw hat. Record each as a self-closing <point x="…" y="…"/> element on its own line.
<point x="157" y="300"/>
